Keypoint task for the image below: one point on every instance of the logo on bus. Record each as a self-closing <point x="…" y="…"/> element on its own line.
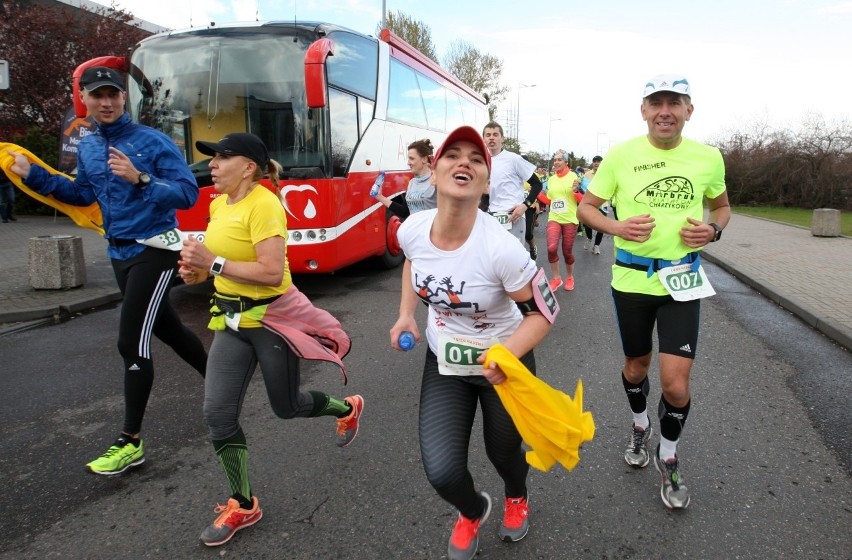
<point x="299" y="201"/>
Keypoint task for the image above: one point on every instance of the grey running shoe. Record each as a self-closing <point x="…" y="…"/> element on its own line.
<point x="636" y="454"/>
<point x="231" y="519"/>
<point x="347" y="427"/>
<point x="673" y="491"/>
<point x="515" y="520"/>
<point x="464" y="542"/>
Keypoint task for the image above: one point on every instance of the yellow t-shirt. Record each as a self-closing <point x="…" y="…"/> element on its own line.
<point x="670" y="185"/>
<point x="233" y="232"/>
<point x="563" y="205"/>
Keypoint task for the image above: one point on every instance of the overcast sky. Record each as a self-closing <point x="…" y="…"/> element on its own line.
<point x="748" y="61"/>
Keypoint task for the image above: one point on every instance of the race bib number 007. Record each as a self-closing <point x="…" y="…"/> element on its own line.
<point x="685" y="284"/>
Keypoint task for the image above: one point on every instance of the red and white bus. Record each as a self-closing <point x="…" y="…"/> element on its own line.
<point x="333" y="106"/>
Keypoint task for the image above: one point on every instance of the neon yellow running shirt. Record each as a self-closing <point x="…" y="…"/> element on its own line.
<point x="563" y="205"/>
<point x="670" y="185"/>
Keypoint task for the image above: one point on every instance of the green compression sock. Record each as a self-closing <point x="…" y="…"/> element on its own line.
<point x="325" y="405"/>
<point x="233" y="455"/>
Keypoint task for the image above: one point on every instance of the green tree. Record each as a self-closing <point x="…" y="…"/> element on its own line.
<point x="511" y="144"/>
<point x="480" y="71"/>
<point x="413" y="31"/>
<point x="540" y="159"/>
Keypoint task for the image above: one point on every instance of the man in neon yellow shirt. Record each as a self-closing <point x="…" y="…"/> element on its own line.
<point x="659" y="183"/>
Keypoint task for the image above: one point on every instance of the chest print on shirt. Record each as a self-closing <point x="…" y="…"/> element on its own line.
<point x="443" y="293"/>
<point x="674" y="193"/>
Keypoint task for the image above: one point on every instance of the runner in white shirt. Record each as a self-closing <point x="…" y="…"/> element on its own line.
<point x="479" y="289"/>
<point x="508" y="200"/>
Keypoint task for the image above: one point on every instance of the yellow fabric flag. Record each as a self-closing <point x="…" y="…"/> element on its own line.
<point x="549" y="421"/>
<point x="84" y="216"/>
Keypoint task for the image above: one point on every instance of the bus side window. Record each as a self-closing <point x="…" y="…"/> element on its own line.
<point x="343" y="114"/>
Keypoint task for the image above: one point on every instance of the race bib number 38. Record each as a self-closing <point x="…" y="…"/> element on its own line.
<point x="457" y="354"/>
<point x="685" y="284"/>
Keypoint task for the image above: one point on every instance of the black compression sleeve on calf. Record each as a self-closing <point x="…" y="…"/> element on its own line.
<point x="637" y="394"/>
<point x="672" y="419"/>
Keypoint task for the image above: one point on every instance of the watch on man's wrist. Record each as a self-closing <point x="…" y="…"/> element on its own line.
<point x="718" y="235"/>
<point x="217" y="266"/>
<point x="144" y="180"/>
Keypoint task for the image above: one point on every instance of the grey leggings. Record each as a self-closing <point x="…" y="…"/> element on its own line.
<point x="447" y="409"/>
<point x="232" y="360"/>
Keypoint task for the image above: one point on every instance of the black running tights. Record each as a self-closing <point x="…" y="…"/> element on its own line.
<point x="145" y="281"/>
<point x="447" y="410"/>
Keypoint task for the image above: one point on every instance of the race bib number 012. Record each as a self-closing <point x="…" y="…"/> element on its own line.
<point x="685" y="284"/>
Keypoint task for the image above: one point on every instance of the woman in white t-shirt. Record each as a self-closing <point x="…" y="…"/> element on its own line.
<point x="475" y="280"/>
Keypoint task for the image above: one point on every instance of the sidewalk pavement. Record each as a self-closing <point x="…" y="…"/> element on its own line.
<point x="809" y="276"/>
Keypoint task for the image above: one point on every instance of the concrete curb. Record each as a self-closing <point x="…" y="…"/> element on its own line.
<point x="828" y="327"/>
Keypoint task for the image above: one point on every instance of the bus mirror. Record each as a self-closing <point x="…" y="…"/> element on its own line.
<point x="117" y="62"/>
<point x="315" y="83"/>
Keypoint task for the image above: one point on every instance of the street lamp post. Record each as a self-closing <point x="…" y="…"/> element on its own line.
<point x="549" y="129"/>
<point x="518" y="112"/>
<point x="599" y="142"/>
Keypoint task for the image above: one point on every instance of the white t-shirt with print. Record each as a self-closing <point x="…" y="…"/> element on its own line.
<point x="466" y="289"/>
<point x="509" y="172"/>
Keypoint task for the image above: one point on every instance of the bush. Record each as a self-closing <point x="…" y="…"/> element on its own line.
<point x="808" y="169"/>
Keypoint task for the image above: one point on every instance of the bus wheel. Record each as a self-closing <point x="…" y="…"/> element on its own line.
<point x="393" y="256"/>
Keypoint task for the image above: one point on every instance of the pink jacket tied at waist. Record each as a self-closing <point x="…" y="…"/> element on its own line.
<point x="310" y="332"/>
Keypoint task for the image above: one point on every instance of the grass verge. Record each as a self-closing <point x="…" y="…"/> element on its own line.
<point x="795" y="216"/>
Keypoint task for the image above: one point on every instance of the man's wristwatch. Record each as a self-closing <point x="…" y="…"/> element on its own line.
<point x="144" y="180"/>
<point x="718" y="235"/>
<point x="528" y="204"/>
<point x="217" y="266"/>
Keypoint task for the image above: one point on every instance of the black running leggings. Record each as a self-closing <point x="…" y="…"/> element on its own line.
<point x="145" y="281"/>
<point x="447" y="410"/>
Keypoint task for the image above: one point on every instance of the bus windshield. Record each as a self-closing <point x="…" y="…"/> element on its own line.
<point x="203" y="86"/>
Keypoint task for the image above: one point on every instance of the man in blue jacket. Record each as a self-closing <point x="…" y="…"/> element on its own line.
<point x="139" y="178"/>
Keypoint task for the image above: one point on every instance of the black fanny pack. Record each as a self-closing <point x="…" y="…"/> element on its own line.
<point x="237" y="304"/>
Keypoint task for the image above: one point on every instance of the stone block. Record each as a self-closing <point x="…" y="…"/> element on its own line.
<point x="825" y="223"/>
<point x="56" y="262"/>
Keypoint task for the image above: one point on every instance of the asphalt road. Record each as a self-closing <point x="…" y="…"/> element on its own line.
<point x="766" y="451"/>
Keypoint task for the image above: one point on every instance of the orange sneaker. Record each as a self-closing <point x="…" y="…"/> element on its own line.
<point x="464" y="542"/>
<point x="347" y="427"/>
<point x="231" y="519"/>
<point x="569" y="284"/>
<point x="515" y="520"/>
<point x="555" y="282"/>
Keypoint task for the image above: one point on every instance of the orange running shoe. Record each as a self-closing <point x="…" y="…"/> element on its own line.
<point x="347" y="427"/>
<point x="231" y="519"/>
<point x="515" y="522"/>
<point x="464" y="542"/>
<point x="569" y="284"/>
<point x="555" y="282"/>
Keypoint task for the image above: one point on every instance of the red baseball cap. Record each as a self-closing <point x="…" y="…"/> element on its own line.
<point x="465" y="134"/>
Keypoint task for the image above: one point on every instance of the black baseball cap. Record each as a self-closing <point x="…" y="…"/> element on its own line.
<point x="237" y="144"/>
<point x="100" y="76"/>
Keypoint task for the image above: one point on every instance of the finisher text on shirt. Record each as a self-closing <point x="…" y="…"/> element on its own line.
<point x="647" y="166"/>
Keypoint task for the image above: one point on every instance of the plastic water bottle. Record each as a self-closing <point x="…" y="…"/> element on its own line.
<point x="406" y="340"/>
<point x="377" y="186"/>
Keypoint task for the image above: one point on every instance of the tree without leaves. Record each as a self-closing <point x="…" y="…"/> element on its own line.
<point x="414" y="32"/>
<point x="481" y="72"/>
<point x="44" y="44"/>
